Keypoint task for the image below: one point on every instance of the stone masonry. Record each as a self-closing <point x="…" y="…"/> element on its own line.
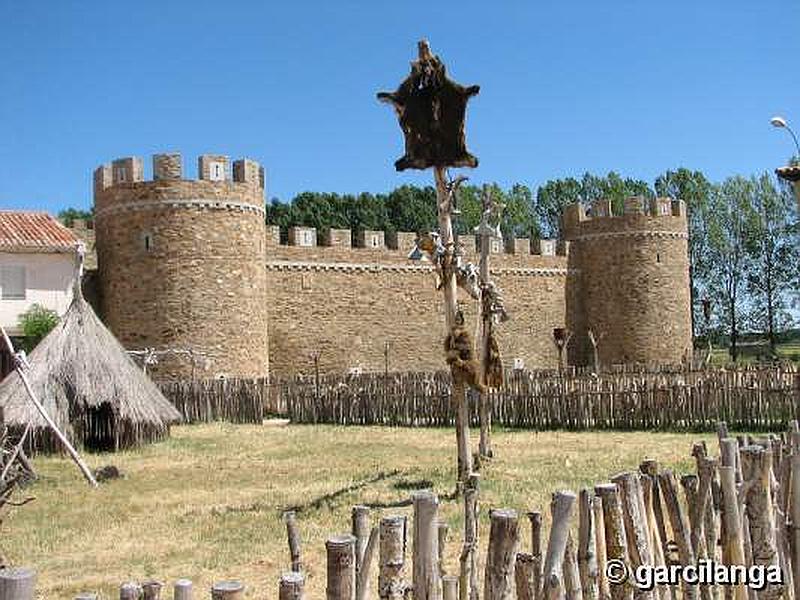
<point x="190" y="265"/>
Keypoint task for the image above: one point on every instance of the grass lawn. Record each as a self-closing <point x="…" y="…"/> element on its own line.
<point x="207" y="503"/>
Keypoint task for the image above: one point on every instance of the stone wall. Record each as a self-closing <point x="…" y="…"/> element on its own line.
<point x="634" y="282"/>
<point x="181" y="266"/>
<point x="345" y="304"/>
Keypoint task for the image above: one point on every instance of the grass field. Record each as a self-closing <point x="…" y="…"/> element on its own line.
<point x="207" y="503"/>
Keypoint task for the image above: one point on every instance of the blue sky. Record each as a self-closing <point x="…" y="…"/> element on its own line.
<point x="566" y="87"/>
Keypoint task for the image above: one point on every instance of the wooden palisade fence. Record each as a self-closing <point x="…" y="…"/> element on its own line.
<point x="741" y="508"/>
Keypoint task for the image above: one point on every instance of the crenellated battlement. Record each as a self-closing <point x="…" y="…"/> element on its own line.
<point x="640" y="216"/>
<point x="403" y="242"/>
<point x="121" y="185"/>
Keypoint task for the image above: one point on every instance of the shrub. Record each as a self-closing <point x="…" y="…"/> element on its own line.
<point x="36" y="323"/>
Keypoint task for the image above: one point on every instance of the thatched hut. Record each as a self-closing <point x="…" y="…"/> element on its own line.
<point x="91" y="388"/>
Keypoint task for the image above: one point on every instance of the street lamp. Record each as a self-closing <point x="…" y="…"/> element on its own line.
<point x="780" y="123"/>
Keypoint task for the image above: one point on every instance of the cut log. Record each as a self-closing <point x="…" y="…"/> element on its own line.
<point x="616" y="540"/>
<point x="501" y="554"/>
<point x="553" y="576"/>
<point x="182" y="590"/>
<point x="587" y="545"/>
<point x="293" y="538"/>
<point x="572" y="577"/>
<point x="392" y="557"/>
<point x="524" y="577"/>
<point x="341" y="567"/>
<point x="227" y="590"/>
<point x="450" y="587"/>
<point x="680" y="526"/>
<point x="292" y="586"/>
<point x="426" y="581"/>
<point x="17" y="583"/>
<point x="130" y="591"/>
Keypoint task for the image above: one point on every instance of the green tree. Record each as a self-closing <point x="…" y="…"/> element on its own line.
<point x="695" y="190"/>
<point x="36" y="323"/>
<point x="730" y="236"/>
<point x="775" y="258"/>
<point x="68" y="215"/>
<point x="410" y="208"/>
<point x="551" y="199"/>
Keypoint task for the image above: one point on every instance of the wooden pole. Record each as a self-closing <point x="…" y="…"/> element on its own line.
<point x="616" y="540"/>
<point x="449" y="287"/>
<point x="130" y="591"/>
<point x="572" y="578"/>
<point x="17" y="583"/>
<point x="603" y="590"/>
<point x="443" y="530"/>
<point x="391" y="557"/>
<point x="426" y="582"/>
<point x="341" y="567"/>
<point x="362" y="576"/>
<point x="20" y="369"/>
<point x="503" y="540"/>
<point x="468" y="561"/>
<point x="535" y="518"/>
<point x="794" y="510"/>
<point x="182" y="590"/>
<point x="450" y="587"/>
<point x="361" y="531"/>
<point x="553" y="577"/>
<point x="733" y="544"/>
<point x="680" y="526"/>
<point x="227" y="590"/>
<point x="487" y="323"/>
<point x="524" y="577"/>
<point x="636" y="531"/>
<point x="86" y="596"/>
<point x="292" y="586"/>
<point x="151" y="590"/>
<point x="587" y="555"/>
<point x="293" y="538"/>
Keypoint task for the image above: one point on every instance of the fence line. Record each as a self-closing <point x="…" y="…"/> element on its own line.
<point x="746" y="397"/>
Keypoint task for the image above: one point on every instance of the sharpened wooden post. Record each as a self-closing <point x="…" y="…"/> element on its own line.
<point x="341" y="580"/>
<point x="392" y="557"/>
<point x="362" y="577"/>
<point x="227" y="590"/>
<point x="503" y="540"/>
<point x="151" y="590"/>
<point x="182" y="590"/>
<point x="535" y="517"/>
<point x="292" y="586"/>
<point x="443" y="532"/>
<point x="637" y="533"/>
<point x="732" y="542"/>
<point x="572" y="577"/>
<point x="293" y="538"/>
<point x="360" y="529"/>
<point x="680" y="526"/>
<point x="600" y="547"/>
<point x="426" y="582"/>
<point x="130" y="591"/>
<point x="587" y="554"/>
<point x="757" y="473"/>
<point x="450" y="587"/>
<point x="524" y="577"/>
<point x="17" y="583"/>
<point x="468" y="560"/>
<point x="616" y="540"/>
<point x="553" y="576"/>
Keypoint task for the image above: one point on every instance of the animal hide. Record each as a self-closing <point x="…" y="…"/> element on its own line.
<point x="494" y="364"/>
<point x="460" y="355"/>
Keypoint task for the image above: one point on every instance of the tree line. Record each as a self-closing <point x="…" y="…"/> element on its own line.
<point x="744" y="236"/>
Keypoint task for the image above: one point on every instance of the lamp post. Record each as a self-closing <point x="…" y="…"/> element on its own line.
<point x="790" y="173"/>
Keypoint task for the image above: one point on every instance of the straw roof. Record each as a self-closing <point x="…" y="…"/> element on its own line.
<point x="80" y="366"/>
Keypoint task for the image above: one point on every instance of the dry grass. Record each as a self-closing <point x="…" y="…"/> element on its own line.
<point x="207" y="503"/>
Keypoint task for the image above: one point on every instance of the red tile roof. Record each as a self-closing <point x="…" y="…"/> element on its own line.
<point x="33" y="231"/>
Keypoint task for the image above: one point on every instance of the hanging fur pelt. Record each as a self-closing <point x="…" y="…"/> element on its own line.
<point x="460" y="355"/>
<point x="494" y="364"/>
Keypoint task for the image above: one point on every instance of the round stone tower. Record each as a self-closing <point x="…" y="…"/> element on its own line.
<point x="182" y="264"/>
<point x="633" y="273"/>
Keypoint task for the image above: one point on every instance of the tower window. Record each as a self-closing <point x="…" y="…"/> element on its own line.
<point x="216" y="171"/>
<point x="658" y="257"/>
<point x="122" y="174"/>
<point x="374" y="241"/>
<point x="147" y="241"/>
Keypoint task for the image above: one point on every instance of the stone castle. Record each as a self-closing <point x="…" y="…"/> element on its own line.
<point x="190" y="269"/>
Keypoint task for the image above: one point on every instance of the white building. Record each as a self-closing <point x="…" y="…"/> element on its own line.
<point x="37" y="265"/>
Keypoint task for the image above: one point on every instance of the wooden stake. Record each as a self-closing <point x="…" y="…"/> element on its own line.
<point x="468" y="561"/>
<point x="524" y="577"/>
<point x="450" y="587"/>
<point x="362" y="577"/>
<point x="130" y="591"/>
<point x="535" y="518"/>
<point x="341" y="567"/>
<point x="616" y="540"/>
<point x="292" y="586"/>
<point x="361" y="531"/>
<point x="733" y="545"/>
<point x="227" y="590"/>
<point x="425" y="557"/>
<point x="182" y="590"/>
<point x="392" y="557"/>
<point x="572" y="578"/>
<point x="553" y="578"/>
<point x="600" y="548"/>
<point x="587" y="545"/>
<point x="794" y="510"/>
<point x="501" y="554"/>
<point x="17" y="583"/>
<point x="443" y="529"/>
<point x="293" y="538"/>
<point x="680" y="526"/>
<point x="151" y="590"/>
